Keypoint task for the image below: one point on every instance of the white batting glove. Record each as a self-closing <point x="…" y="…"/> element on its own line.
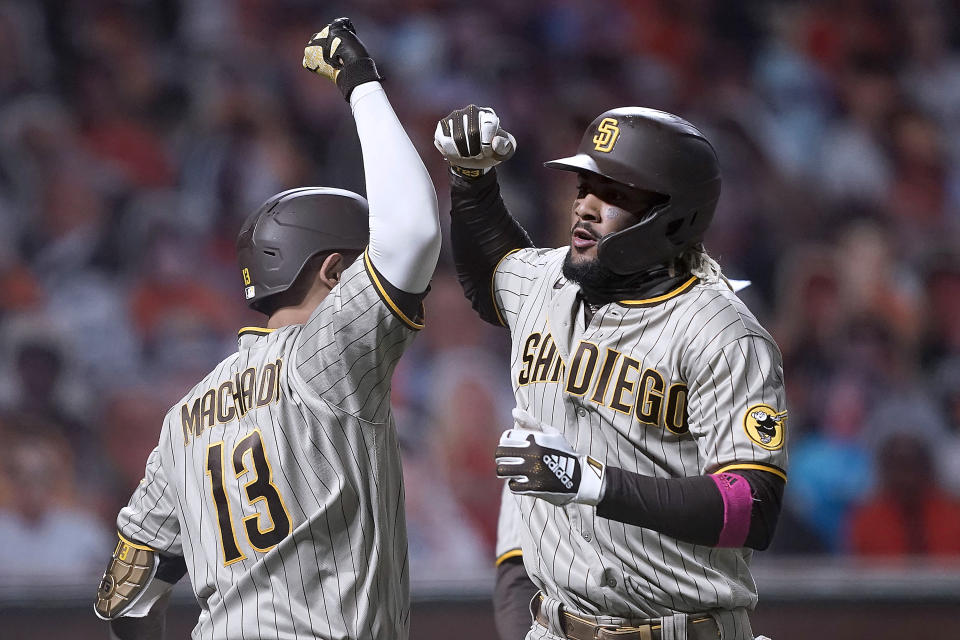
<point x="472" y="141"/>
<point x="538" y="461"/>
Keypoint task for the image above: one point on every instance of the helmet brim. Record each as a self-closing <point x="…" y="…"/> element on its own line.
<point x="583" y="162"/>
<point x="579" y="162"/>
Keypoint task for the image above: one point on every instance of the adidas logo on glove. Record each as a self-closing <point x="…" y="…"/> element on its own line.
<point x="562" y="467"/>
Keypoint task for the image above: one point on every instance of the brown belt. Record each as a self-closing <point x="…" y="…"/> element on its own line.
<point x="576" y="628"/>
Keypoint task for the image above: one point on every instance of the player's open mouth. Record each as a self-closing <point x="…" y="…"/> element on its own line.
<point x="582" y="239"/>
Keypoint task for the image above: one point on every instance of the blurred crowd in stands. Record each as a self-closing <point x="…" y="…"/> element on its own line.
<point x="136" y="135"/>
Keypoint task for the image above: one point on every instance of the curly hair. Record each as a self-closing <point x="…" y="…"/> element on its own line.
<point x="697" y="262"/>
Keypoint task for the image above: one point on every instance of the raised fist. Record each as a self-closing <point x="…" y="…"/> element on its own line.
<point x="472" y="141"/>
<point x="338" y="54"/>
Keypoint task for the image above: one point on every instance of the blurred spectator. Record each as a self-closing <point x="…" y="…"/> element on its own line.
<point x="39" y="377"/>
<point x="180" y="316"/>
<point x="941" y="335"/>
<point x="808" y="329"/>
<point x="946" y="386"/>
<point x="910" y="514"/>
<point x="47" y="536"/>
<point x="830" y="469"/>
<point x="873" y="285"/>
<point x="911" y="409"/>
<point x="470" y="408"/>
<point x="132" y="418"/>
<point x="919" y="189"/>
<point x="795" y="89"/>
<point x="22" y="292"/>
<point x="853" y="164"/>
<point x="931" y="72"/>
<point x="444" y="543"/>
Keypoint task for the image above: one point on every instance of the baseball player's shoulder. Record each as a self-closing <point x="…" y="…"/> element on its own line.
<point x="532" y="259"/>
<point x="521" y="269"/>
<point x="360" y="290"/>
<point x="241" y="381"/>
<point x="363" y="292"/>
<point x="718" y="317"/>
<point x="184" y="414"/>
<point x="205" y="382"/>
<point x="253" y="339"/>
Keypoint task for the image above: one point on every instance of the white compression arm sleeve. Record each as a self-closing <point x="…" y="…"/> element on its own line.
<point x="404" y="222"/>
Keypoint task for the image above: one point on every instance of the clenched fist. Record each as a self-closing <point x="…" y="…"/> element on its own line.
<point x="539" y="462"/>
<point x="472" y="141"/>
<point x="338" y="54"/>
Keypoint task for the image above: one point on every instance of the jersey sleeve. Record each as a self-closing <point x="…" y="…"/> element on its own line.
<point x="348" y="349"/>
<point x="736" y="408"/>
<point x="513" y="279"/>
<point x="509" y="527"/>
<point x="150" y="517"/>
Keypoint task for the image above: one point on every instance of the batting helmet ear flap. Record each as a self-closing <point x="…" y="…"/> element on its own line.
<point x="621" y="251"/>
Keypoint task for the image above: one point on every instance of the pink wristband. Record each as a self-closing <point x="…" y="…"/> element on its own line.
<point x="737" y="507"/>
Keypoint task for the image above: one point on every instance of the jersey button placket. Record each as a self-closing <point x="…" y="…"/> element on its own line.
<point x="610" y="578"/>
<point x="586" y="528"/>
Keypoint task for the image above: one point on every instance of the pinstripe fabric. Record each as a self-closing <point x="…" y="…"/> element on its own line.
<point x="329" y="439"/>
<point x="701" y="344"/>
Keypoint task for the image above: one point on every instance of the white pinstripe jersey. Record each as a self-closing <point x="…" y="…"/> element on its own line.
<point x="668" y="387"/>
<point x="278" y="478"/>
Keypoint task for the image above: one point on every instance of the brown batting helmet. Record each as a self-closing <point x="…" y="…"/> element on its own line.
<point x="278" y="239"/>
<point x="659" y="152"/>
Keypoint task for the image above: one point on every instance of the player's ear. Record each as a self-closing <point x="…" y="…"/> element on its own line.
<point x="333" y="265"/>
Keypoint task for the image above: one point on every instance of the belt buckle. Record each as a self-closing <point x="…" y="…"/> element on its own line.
<point x="605" y="632"/>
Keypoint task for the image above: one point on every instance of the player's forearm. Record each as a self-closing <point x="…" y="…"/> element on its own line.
<point x="482" y="232"/>
<point x="727" y="510"/>
<point x="148" y="627"/>
<point x="511" y="600"/>
<point x="137" y="628"/>
<point x="404" y="224"/>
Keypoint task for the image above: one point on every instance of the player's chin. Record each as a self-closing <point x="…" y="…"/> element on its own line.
<point x="581" y="267"/>
<point x="582" y="255"/>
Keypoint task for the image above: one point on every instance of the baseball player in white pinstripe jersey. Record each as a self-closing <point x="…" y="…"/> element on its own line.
<point x="276" y="483"/>
<point x="648" y="456"/>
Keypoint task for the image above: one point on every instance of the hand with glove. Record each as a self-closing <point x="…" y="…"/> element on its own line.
<point x="540" y="462"/>
<point x="472" y="141"/>
<point x="337" y="53"/>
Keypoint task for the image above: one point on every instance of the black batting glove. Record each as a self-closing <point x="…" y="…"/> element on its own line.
<point x="540" y="462"/>
<point x="338" y="54"/>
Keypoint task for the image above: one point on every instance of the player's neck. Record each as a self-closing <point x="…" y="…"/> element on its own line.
<point x="606" y="288"/>
<point x="286" y="317"/>
<point x="298" y="314"/>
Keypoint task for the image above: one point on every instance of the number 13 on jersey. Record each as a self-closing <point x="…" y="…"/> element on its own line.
<point x="259" y="488"/>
